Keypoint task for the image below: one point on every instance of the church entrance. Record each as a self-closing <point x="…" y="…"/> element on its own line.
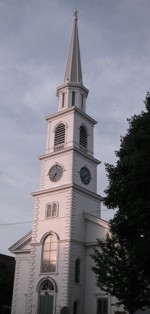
<point x="46" y="304"/>
<point x="46" y="297"/>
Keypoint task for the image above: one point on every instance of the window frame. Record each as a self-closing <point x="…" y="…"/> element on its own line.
<point x="75" y="307"/>
<point x="102" y="299"/>
<point x="48" y="251"/>
<point x="59" y="136"/>
<point x="82" y="102"/>
<point x="73" y="100"/>
<point x="63" y="100"/>
<point x="51" y="216"/>
<point x="48" y="210"/>
<point x="77" y="271"/>
<point x="83" y="137"/>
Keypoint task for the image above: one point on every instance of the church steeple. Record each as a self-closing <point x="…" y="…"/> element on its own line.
<point x="73" y="72"/>
<point x="73" y="92"/>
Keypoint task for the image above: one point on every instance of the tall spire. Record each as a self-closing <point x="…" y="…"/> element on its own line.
<point x="73" y="72"/>
<point x="72" y="93"/>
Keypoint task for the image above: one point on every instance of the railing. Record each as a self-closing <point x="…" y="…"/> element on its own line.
<point x="58" y="147"/>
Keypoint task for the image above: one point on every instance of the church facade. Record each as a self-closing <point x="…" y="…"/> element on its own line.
<point x="53" y="265"/>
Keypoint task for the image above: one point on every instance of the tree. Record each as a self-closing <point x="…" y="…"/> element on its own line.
<point x="119" y="274"/>
<point x="122" y="261"/>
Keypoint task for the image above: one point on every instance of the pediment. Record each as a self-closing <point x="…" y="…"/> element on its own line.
<point x="22" y="245"/>
<point x="103" y="223"/>
<point x="96" y="228"/>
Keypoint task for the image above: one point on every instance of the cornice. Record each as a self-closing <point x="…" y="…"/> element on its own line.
<point x="87" y="192"/>
<point x="96" y="220"/>
<point x="68" y="85"/>
<point x="68" y="187"/>
<point x="66" y="111"/>
<point x="66" y="150"/>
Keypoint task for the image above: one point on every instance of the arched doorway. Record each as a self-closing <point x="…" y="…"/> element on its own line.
<point x="47" y="292"/>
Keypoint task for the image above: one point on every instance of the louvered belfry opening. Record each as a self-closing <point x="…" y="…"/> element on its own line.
<point x="73" y="98"/>
<point x="59" y="142"/>
<point x="83" y="137"/>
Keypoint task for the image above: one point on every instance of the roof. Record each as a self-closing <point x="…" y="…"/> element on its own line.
<point x="96" y="220"/>
<point x="22" y="244"/>
<point x="73" y="72"/>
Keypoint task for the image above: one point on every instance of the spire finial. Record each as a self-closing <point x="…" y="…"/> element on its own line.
<point x="75" y="14"/>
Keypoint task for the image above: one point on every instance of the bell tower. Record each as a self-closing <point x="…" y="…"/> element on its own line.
<point x="68" y="190"/>
<point x="66" y="219"/>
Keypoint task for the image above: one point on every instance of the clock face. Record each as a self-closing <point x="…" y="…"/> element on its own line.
<point x="55" y="172"/>
<point x="85" y="175"/>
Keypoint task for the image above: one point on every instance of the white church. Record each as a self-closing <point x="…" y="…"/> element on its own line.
<point x="53" y="265"/>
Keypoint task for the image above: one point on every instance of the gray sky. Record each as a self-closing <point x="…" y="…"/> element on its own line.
<point x="34" y="40"/>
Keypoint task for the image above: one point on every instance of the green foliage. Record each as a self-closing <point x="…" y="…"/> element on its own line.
<point x="119" y="274"/>
<point x="122" y="262"/>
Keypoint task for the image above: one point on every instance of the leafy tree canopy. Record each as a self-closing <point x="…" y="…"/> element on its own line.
<point x="122" y="262"/>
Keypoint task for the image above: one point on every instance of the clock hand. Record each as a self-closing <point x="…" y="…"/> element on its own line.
<point x="55" y="174"/>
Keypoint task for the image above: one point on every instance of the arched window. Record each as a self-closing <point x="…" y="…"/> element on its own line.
<point x="83" y="137"/>
<point x="77" y="270"/>
<point x="59" y="140"/>
<point x="73" y="98"/>
<point x="75" y="307"/>
<point x="49" y="253"/>
<point x="52" y="210"/>
<point x="47" y="292"/>
<point x="48" y="211"/>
